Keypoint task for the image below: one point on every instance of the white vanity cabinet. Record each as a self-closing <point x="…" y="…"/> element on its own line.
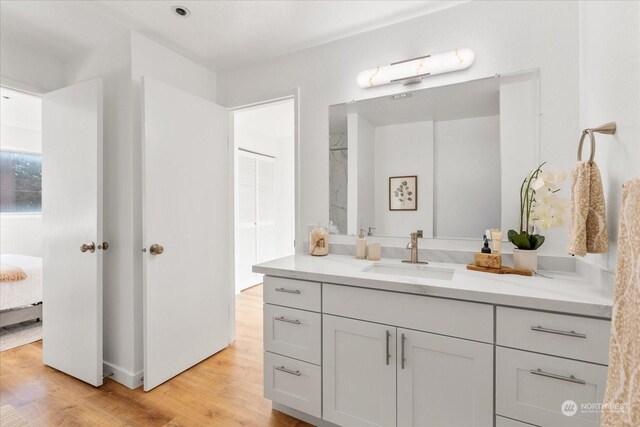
<point x="353" y="356"/>
<point x="359" y="376"/>
<point x="443" y="381"/>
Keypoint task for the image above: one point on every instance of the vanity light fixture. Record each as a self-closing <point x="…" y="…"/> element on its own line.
<point x="181" y="11"/>
<point x="413" y="70"/>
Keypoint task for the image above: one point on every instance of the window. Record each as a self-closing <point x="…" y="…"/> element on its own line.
<point x="20" y="182"/>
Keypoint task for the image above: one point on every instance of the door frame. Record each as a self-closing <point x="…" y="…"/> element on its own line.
<point x="293" y="94"/>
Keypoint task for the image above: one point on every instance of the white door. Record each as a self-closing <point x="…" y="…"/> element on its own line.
<point x="359" y="372"/>
<point x="71" y="218"/>
<point x="444" y="381"/>
<point x="185" y="230"/>
<point x="246" y="209"/>
<point x="255" y="222"/>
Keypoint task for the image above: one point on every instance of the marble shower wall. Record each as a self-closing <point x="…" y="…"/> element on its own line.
<point x="338" y="170"/>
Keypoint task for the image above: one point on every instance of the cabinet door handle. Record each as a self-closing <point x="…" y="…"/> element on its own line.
<point x="388" y="355"/>
<point x="284" y="319"/>
<point x="402" y="339"/>
<point x="558" y="332"/>
<point x="570" y="378"/>
<point x="289" y="291"/>
<point x="288" y="371"/>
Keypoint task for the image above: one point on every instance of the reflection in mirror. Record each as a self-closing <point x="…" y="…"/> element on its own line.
<point x="447" y="160"/>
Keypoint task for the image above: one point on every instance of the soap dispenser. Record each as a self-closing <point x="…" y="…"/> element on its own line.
<point x="361" y="245"/>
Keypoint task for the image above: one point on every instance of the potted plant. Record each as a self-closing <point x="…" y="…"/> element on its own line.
<point x="541" y="208"/>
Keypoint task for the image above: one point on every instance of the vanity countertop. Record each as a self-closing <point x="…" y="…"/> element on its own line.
<point x="560" y="291"/>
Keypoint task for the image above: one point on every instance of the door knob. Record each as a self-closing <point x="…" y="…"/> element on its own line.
<point x="104" y="246"/>
<point x="91" y="247"/>
<point x="156" y="249"/>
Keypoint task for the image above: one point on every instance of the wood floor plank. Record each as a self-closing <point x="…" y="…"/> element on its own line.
<point x="224" y="390"/>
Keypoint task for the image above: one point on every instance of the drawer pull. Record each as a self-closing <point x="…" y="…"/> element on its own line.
<point x="289" y="291"/>
<point x="388" y="355"/>
<point x="284" y="319"/>
<point x="571" y="378"/>
<point x="402" y="351"/>
<point x="288" y="371"/>
<point x="558" y="332"/>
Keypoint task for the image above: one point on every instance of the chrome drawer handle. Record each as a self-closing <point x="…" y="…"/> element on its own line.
<point x="289" y="291"/>
<point x="570" y="378"/>
<point x="288" y="371"/>
<point x="388" y="354"/>
<point x="284" y="319"/>
<point x="402" y="359"/>
<point x="558" y="332"/>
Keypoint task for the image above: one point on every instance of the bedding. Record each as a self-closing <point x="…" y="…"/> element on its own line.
<point x="22" y="292"/>
<point x="11" y="273"/>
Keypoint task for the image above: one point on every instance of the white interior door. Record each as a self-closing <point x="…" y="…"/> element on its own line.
<point x="246" y="200"/>
<point x="72" y="216"/>
<point x="255" y="221"/>
<point x="185" y="214"/>
<point x="266" y="215"/>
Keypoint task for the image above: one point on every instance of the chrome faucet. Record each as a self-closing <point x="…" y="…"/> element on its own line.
<point x="413" y="245"/>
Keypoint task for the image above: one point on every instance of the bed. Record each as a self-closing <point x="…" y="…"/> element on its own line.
<point x="21" y="300"/>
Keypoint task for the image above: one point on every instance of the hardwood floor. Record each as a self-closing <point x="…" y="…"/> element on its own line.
<point x="224" y="390"/>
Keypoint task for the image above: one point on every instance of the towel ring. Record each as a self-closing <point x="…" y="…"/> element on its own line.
<point x="593" y="145"/>
<point x="607" y="128"/>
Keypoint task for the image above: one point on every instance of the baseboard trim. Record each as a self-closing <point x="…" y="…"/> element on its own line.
<point x="126" y="378"/>
<point x="301" y="415"/>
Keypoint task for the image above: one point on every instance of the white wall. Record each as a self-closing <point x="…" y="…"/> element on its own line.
<point x="506" y="37"/>
<point x="21" y="234"/>
<point x="153" y="60"/>
<point x="610" y="91"/>
<point x="467" y="153"/>
<point x="29" y="66"/>
<point x="112" y="63"/>
<point x="21" y="130"/>
<point x="121" y="64"/>
<point x="404" y="149"/>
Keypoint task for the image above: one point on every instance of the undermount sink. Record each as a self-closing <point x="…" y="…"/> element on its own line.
<point x="412" y="270"/>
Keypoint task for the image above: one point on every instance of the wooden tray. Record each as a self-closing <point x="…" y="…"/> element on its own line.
<point x="501" y="270"/>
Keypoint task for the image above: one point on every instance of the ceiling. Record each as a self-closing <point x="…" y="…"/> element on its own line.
<point x="217" y="34"/>
<point x="476" y="98"/>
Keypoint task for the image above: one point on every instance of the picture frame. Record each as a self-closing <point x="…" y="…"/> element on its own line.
<point x="403" y="193"/>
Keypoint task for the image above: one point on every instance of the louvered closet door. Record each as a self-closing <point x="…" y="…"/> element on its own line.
<point x="246" y="226"/>
<point x="266" y="215"/>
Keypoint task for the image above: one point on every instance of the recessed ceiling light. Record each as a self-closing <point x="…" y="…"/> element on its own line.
<point x="181" y="11"/>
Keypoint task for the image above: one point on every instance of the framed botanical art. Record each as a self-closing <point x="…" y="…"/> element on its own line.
<point x="403" y="193"/>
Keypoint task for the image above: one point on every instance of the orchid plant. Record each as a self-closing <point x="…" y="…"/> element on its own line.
<point x="540" y="207"/>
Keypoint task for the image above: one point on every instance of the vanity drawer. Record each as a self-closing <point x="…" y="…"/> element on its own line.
<point x="533" y="388"/>
<point x="437" y="315"/>
<point x="574" y="337"/>
<point x="293" y="383"/>
<point x="292" y="293"/>
<point x="292" y="332"/>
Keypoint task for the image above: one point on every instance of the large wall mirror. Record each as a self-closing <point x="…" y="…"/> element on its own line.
<point x="447" y="160"/>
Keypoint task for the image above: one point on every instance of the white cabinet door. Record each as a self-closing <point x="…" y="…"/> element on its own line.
<point x="443" y="381"/>
<point x="186" y="300"/>
<point x="71" y="217"/>
<point x="359" y="372"/>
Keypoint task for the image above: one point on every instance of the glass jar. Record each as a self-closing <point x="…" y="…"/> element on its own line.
<point x="319" y="241"/>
